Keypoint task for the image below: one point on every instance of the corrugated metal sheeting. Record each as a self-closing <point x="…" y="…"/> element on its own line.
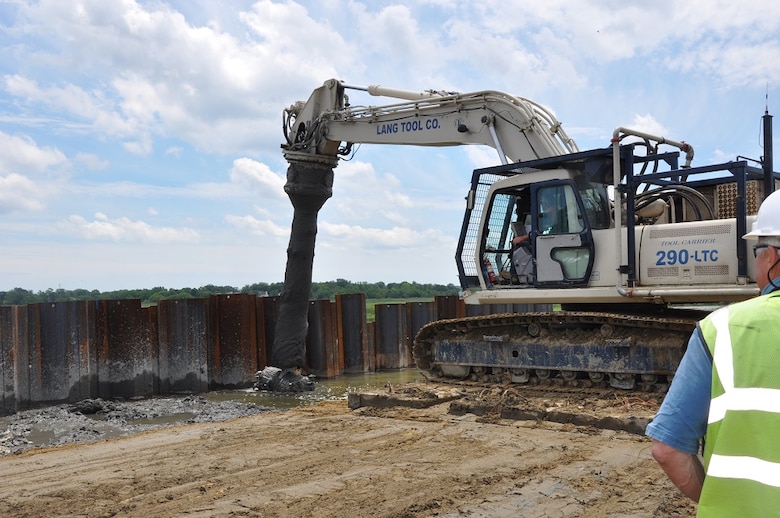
<point x="68" y="351"/>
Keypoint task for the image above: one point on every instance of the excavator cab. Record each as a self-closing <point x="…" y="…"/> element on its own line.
<point x="558" y="215"/>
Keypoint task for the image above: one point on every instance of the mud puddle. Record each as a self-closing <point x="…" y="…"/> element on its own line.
<point x="325" y="389"/>
<point x="96" y="419"/>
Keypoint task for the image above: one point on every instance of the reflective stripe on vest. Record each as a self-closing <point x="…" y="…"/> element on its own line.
<point x="748" y="468"/>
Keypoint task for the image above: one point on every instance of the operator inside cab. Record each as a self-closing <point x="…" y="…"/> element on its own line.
<point x="522" y="268"/>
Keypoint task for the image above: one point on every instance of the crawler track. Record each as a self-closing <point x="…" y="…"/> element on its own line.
<point x="558" y="349"/>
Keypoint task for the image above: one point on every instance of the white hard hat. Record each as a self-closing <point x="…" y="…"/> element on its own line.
<point x="767" y="223"/>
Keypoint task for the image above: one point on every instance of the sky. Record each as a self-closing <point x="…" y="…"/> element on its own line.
<point x="140" y="140"/>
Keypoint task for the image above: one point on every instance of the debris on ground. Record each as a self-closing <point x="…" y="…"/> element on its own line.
<point x="93" y="419"/>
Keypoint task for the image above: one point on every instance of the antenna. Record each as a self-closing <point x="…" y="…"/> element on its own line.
<point x="769" y="183"/>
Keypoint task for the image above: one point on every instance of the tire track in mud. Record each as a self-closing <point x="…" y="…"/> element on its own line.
<point x="326" y="460"/>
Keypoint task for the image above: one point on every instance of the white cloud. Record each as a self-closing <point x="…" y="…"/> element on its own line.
<point x="125" y="229"/>
<point x="68" y="98"/>
<point x="481" y="156"/>
<point x="360" y="194"/>
<point x="257" y="177"/>
<point x="648" y="124"/>
<point x="29" y="174"/>
<point x="155" y="72"/>
<point x="22" y="155"/>
<point x="258" y="227"/>
<point x="355" y="236"/>
<point x="139" y="147"/>
<point x="18" y="193"/>
<point x="392" y="26"/>
<point x="734" y="64"/>
<point x="91" y="161"/>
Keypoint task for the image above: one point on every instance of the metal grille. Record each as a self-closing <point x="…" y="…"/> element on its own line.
<point x="669" y="271"/>
<point x="668" y="232"/>
<point x="720" y="269"/>
<point x="726" y="198"/>
<point x="470" y="244"/>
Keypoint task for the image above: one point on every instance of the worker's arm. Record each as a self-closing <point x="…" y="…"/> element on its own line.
<point x="682" y="419"/>
<point x="685" y="470"/>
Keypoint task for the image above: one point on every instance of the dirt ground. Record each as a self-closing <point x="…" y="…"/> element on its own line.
<point x="472" y="452"/>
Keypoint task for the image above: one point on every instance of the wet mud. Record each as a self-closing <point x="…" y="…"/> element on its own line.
<point x="95" y="419"/>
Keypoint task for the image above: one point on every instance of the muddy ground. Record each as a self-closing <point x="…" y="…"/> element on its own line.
<point x="415" y="450"/>
<point x="95" y="419"/>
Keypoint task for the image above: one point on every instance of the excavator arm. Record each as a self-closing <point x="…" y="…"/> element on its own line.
<point x="326" y="126"/>
<point x="519" y="129"/>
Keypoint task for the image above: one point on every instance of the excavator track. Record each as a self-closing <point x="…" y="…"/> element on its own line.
<point x="557" y="349"/>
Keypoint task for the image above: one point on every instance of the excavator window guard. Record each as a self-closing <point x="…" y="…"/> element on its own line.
<point x="470" y="230"/>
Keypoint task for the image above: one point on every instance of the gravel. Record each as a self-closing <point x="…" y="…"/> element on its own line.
<point x="95" y="419"/>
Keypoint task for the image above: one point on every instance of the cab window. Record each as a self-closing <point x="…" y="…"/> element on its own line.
<point x="558" y="211"/>
<point x="597" y="206"/>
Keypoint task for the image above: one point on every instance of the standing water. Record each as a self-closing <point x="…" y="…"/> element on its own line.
<point x="94" y="419"/>
<point x="332" y="389"/>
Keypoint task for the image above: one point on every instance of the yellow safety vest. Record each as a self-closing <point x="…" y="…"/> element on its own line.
<point x="742" y="444"/>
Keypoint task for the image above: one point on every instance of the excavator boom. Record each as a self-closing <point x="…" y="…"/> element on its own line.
<point x="517" y="128"/>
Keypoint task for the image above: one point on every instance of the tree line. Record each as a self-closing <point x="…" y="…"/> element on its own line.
<point x="149" y="296"/>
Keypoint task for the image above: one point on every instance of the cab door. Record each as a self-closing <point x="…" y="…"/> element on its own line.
<point x="563" y="242"/>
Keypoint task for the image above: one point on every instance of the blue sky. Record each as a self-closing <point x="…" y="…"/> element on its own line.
<point x="139" y="140"/>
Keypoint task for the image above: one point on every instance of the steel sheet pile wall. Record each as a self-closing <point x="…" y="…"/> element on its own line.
<point x="67" y="351"/>
<point x="7" y="370"/>
<point x="234" y="351"/>
<point x="417" y="315"/>
<point x="52" y="353"/>
<point x="266" y="308"/>
<point x="184" y="337"/>
<point x="391" y="329"/>
<point x="449" y="306"/>
<point x="323" y="354"/>
<point x="353" y="333"/>
<point x="60" y="351"/>
<point x="127" y="349"/>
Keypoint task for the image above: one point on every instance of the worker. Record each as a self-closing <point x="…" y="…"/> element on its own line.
<point x="521" y="263"/>
<point x="726" y="396"/>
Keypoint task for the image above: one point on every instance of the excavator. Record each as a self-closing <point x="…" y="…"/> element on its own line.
<point x="627" y="245"/>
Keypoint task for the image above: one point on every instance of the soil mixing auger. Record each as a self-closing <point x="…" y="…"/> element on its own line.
<point x="625" y="239"/>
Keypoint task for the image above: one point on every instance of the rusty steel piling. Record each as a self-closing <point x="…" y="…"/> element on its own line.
<point x="118" y="349"/>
